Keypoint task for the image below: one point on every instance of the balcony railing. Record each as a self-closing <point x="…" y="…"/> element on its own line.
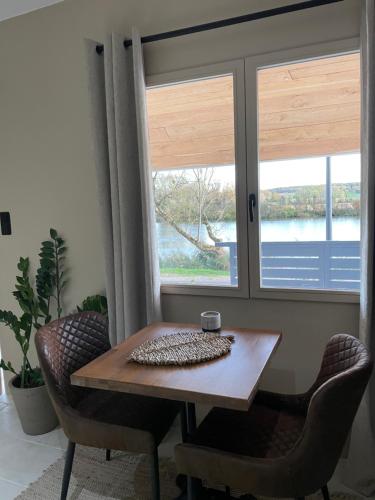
<point x="327" y="265"/>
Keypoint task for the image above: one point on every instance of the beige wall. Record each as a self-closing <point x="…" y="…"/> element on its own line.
<point x="47" y="175"/>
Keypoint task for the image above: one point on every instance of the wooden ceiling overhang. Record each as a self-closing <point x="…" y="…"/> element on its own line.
<point x="305" y="109"/>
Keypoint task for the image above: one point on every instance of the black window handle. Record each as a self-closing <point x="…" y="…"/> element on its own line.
<point x="252" y="205"/>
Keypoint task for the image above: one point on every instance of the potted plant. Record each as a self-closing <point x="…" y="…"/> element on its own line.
<point x="27" y="386"/>
<point x="97" y="303"/>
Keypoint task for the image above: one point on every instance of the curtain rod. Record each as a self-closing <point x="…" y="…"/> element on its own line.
<point x="286" y="9"/>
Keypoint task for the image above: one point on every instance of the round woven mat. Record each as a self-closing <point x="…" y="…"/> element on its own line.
<point x="183" y="348"/>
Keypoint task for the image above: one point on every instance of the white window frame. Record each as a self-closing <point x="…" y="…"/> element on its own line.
<point x="252" y="64"/>
<point x="237" y="68"/>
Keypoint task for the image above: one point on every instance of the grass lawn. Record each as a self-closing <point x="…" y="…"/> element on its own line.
<point x="178" y="271"/>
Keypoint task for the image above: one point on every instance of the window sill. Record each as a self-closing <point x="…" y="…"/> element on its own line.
<point x="210" y="291"/>
<point x="263" y="293"/>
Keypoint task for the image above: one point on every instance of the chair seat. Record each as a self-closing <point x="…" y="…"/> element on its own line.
<point x="244" y="450"/>
<point x="262" y="432"/>
<point x="114" y="420"/>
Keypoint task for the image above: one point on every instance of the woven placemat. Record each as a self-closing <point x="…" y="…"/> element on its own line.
<point x="182" y="348"/>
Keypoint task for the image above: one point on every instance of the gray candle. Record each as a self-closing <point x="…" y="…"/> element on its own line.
<point x="211" y="321"/>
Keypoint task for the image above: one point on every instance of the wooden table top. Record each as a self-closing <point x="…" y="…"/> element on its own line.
<point x="229" y="382"/>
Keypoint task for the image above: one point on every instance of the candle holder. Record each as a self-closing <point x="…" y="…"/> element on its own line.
<point x="211" y="321"/>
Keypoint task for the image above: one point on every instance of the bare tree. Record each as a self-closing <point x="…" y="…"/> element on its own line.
<point x="181" y="198"/>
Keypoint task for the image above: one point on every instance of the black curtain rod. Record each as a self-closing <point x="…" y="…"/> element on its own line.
<point x="286" y="9"/>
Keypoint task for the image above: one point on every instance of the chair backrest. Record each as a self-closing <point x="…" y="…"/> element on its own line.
<point x="334" y="399"/>
<point x="342" y="354"/>
<point x="67" y="344"/>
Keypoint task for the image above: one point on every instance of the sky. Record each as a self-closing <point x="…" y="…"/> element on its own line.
<point x="300" y="172"/>
<point x="309" y="171"/>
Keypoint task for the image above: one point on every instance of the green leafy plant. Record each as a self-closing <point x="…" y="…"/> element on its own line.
<point x="35" y="305"/>
<point x="51" y="275"/>
<point x="97" y="303"/>
<point x="22" y="326"/>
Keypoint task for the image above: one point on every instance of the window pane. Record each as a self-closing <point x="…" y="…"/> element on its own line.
<point x="191" y="127"/>
<point x="346" y="193"/>
<point x="292" y="200"/>
<point x="309" y="174"/>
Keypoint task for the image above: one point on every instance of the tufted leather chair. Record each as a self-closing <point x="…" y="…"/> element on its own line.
<point x="92" y="417"/>
<point x="284" y="446"/>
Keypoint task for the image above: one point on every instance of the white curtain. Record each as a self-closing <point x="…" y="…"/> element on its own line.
<point x="120" y="139"/>
<point x="359" y="470"/>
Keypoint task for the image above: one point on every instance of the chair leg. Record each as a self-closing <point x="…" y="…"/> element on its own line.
<point x="108" y="455"/>
<point x="67" y="469"/>
<point x="325" y="493"/>
<point x="155" y="480"/>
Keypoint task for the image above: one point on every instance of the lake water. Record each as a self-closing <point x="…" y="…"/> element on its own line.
<point x="343" y="229"/>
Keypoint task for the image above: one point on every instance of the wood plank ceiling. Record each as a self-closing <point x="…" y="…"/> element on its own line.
<point x="305" y="109"/>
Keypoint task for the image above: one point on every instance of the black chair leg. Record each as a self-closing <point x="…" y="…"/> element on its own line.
<point x="108" y="455"/>
<point x="325" y="493"/>
<point x="155" y="480"/>
<point x="67" y="469"/>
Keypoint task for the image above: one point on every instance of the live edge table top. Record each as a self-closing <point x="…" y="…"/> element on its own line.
<point x="229" y="382"/>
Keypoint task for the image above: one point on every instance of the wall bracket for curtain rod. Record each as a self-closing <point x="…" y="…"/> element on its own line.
<point x="99" y="49"/>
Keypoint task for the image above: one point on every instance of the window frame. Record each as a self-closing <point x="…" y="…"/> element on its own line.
<point x="237" y="69"/>
<point x="252" y="64"/>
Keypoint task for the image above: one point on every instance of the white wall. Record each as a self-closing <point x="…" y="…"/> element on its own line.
<point x="47" y="174"/>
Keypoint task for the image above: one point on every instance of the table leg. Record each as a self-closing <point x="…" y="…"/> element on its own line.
<point x="184" y="423"/>
<point x="192" y="483"/>
<point x="191" y="418"/>
<point x="188" y="426"/>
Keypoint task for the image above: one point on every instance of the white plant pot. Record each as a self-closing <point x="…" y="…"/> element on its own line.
<point x="34" y="409"/>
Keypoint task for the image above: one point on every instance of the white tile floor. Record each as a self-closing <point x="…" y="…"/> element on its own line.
<point x="23" y="458"/>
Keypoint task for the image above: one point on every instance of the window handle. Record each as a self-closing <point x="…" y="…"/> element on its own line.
<point x="252" y="205"/>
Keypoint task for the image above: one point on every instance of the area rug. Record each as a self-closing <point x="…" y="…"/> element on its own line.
<point x="125" y="477"/>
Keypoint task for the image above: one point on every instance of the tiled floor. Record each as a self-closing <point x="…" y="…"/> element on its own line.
<point x="23" y="458"/>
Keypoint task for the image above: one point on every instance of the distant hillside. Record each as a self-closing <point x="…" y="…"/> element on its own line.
<point x="309" y="201"/>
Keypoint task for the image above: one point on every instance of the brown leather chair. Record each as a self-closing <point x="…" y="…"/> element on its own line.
<point x="284" y="446"/>
<point x="98" y="418"/>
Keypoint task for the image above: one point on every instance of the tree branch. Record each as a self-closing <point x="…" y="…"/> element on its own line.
<point x="210" y="231"/>
<point x="198" y="244"/>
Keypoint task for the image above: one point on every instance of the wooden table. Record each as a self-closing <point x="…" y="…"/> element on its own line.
<point x="229" y="382"/>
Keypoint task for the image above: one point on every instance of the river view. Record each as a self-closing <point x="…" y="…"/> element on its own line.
<point x="344" y="229"/>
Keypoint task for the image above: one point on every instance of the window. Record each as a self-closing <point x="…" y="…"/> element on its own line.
<point x="195" y="169"/>
<point x="309" y="174"/>
<point x="256" y="174"/>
